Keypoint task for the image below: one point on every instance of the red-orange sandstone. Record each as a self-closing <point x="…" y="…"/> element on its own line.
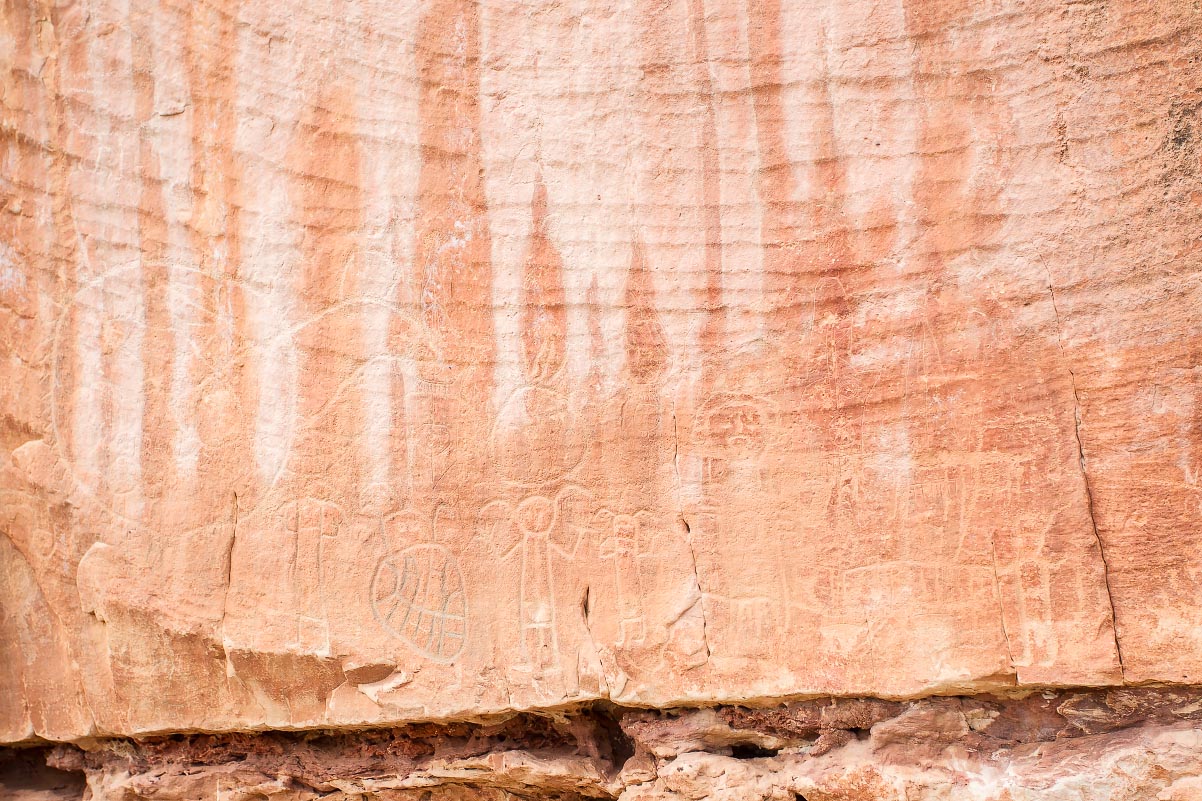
<point x="365" y="364"/>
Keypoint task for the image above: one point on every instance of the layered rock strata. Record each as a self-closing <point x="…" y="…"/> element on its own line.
<point x="1115" y="745"/>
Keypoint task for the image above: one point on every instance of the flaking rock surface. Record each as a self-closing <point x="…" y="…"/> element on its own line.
<point x="367" y="363"/>
<point x="1120" y="745"/>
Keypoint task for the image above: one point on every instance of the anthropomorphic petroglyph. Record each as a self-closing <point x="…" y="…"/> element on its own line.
<point x="543" y="533"/>
<point x="311" y="521"/>
<point x="622" y="540"/>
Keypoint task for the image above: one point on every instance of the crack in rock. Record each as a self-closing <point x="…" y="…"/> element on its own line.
<point x="1089" y="496"/>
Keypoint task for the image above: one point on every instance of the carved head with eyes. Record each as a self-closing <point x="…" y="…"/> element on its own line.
<point x="536" y="515"/>
<point x="737" y="422"/>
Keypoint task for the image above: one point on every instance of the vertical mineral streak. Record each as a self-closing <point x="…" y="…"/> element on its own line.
<point x="452" y="269"/>
<point x="452" y="262"/>
<point x="219" y="384"/>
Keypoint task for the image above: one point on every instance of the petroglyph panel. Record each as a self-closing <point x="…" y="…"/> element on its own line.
<point x="418" y="595"/>
<point x="369" y="363"/>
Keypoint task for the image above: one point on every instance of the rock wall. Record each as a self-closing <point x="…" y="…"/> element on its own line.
<point x="373" y="364"/>
<point x="1120" y="745"/>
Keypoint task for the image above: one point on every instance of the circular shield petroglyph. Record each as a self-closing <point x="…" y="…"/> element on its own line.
<point x="418" y="594"/>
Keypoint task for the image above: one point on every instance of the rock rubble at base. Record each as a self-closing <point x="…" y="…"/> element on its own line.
<point x="1076" y="745"/>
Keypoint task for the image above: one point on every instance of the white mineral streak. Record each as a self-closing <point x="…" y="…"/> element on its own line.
<point x="269" y="253"/>
<point x="367" y="363"/>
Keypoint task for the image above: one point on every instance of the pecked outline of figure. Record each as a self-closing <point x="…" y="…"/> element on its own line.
<point x="544" y="531"/>
<point x="622" y="539"/>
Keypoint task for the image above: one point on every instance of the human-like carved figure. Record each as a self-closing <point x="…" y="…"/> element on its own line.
<point x="96" y="391"/>
<point x="542" y="531"/>
<point x="434" y="432"/>
<point x="731" y="429"/>
<point x="537" y="437"/>
<point x="736" y="425"/>
<point x="540" y="646"/>
<point x="621" y="538"/>
<point x="310" y="521"/>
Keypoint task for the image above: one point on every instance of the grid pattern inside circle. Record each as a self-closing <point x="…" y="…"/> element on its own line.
<point x="418" y="595"/>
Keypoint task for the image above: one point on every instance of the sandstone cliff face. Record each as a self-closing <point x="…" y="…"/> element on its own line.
<point x="369" y="363"/>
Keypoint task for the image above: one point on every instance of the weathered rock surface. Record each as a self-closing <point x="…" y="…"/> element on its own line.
<point x="1116" y="745"/>
<point x="368" y="363"/>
